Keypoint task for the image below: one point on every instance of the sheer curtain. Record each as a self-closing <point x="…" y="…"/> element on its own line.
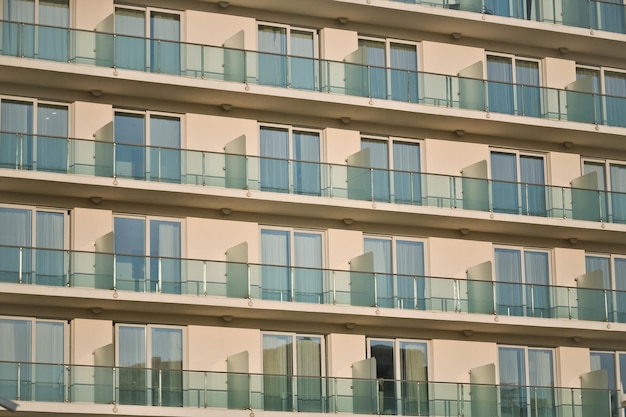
<point x="610" y="16"/>
<point x="407" y="183"/>
<point x="601" y="263"/>
<point x="16" y="226"/>
<point x="379" y="160"/>
<point x="18" y="40"/>
<point x="403" y="60"/>
<point x="130" y="43"/>
<point x="414" y="375"/>
<point x="49" y="377"/>
<point x="302" y="60"/>
<point x="383" y="352"/>
<point x="600" y="170"/>
<point x="308" y="254"/>
<point x="410" y="273"/>
<point x="165" y="43"/>
<point x="130" y="250"/>
<point x="15" y="346"/>
<point x="540" y="374"/>
<point x="274" y="159"/>
<point x="165" y="240"/>
<point x="504" y="182"/>
<point x="272" y="56"/>
<point x="277" y="372"/>
<point x="275" y="282"/>
<point x="131" y="358"/>
<point x="52" y="133"/>
<point x="618" y="192"/>
<point x="604" y="361"/>
<point x="16" y="145"/>
<point x="512" y="366"/>
<point x="508" y="265"/>
<point x="165" y="158"/>
<point x="500" y="76"/>
<point x="595" y="101"/>
<point x="615" y="89"/>
<point x="374" y="71"/>
<point x="620" y="286"/>
<point x="381" y="248"/>
<point x="533" y="191"/>
<point x="306" y="165"/>
<point x="167" y="357"/>
<point x="537" y="274"/>
<point x="129" y="136"/>
<point x="309" y="371"/>
<point x="49" y="256"/>
<point x="54" y="38"/>
<point x="528" y="92"/>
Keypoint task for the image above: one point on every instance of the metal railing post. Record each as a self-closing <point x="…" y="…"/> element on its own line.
<point x="411" y="185"/>
<point x="114" y="160"/>
<point x="415" y="292"/>
<point x="330" y="179"/>
<point x="114" y="272"/>
<point x="372" y="184"/>
<point x="160" y="387"/>
<point x="159" y="56"/>
<point x="114" y="385"/>
<point x="606" y="306"/>
<point x="160" y="276"/>
<point x="19" y="381"/>
<point x="532" y="300"/>
<point x="159" y="162"/>
<point x="375" y="290"/>
<point x="205" y="390"/>
<point x="249" y="285"/>
<point x="334" y="288"/>
<point x="292" y="283"/>
<point x="527" y="199"/>
<point x="495" y="302"/>
<point x="20" y="267"/>
<point x="204" y="276"/>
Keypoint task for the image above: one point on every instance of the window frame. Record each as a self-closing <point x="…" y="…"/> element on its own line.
<point x="33" y="335"/>
<point x="555" y="374"/>
<point x="147" y="14"/>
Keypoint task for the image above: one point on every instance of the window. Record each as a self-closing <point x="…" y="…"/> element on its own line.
<point x="522" y="282"/>
<point x="19" y="261"/>
<point x="403" y="259"/>
<point x="518" y="183"/>
<point x="292" y="265"/>
<point x="513" y="85"/>
<point x="49" y="41"/>
<point x="289" y="357"/>
<point x="611" y="83"/>
<point x="518" y="9"/>
<point x="613" y="270"/>
<point x="388" y="71"/>
<point x="148" y="254"/>
<point x="526" y="382"/>
<point x="404" y="157"/>
<point x="614" y="364"/>
<point x="34" y="135"/>
<point x="405" y="361"/>
<point x="287" y="56"/>
<point x="147" y="146"/>
<point x="161" y="53"/>
<point x="151" y="363"/>
<point x="290" y="160"/>
<point x="34" y="350"/>
<point x="611" y="176"/>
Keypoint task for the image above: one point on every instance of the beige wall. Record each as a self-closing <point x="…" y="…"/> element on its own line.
<point x="343" y="351"/>
<point x="568" y="264"/>
<point x="451" y="360"/>
<point x="571" y="363"/>
<point x="341" y="143"/>
<point x="336" y="44"/>
<point x="202" y="241"/>
<point x="216" y="29"/>
<point x="452" y="257"/>
<point x="449" y="158"/>
<point x="89" y="118"/>
<point x="88" y="14"/>
<point x="343" y="245"/>
<point x="564" y="167"/>
<point x="212" y="133"/>
<point x="558" y="73"/>
<point x="89" y="225"/>
<point x="88" y="336"/>
<point x="449" y="59"/>
<point x="209" y="347"/>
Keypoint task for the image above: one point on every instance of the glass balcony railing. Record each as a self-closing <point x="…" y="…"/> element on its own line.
<point x="181" y="166"/>
<point x="193" y="277"/>
<point x="608" y="15"/>
<point x="314" y="394"/>
<point x="302" y="73"/>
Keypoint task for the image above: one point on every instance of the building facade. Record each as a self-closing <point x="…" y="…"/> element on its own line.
<point x="262" y="207"/>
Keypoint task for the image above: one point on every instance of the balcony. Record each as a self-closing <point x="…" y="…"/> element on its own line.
<point x="360" y="287"/>
<point x="25" y="152"/>
<point x="120" y="387"/>
<point x="205" y="62"/>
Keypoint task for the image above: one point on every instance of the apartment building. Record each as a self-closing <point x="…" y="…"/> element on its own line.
<point x="273" y="207"/>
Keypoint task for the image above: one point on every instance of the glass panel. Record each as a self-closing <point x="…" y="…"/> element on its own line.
<point x="277" y="372"/>
<point x="272" y="59"/>
<point x="618" y="193"/>
<point x="130" y="45"/>
<point x="500" y="76"/>
<point x="605" y="361"/>
<point x="309" y="366"/>
<point x="15" y="346"/>
<point x="275" y="257"/>
<point x="512" y="382"/>
<point x="537" y="279"/>
<point x="404" y="84"/>
<point x="382" y="351"/>
<point x="165" y="154"/>
<point x="379" y="161"/>
<point x="302" y="63"/>
<point x="308" y="284"/>
<point x="131" y="358"/>
<point x="528" y="91"/>
<point x="306" y="165"/>
<point x="599" y="263"/>
<point x="410" y="274"/>
<point x="165" y="43"/>
<point x="50" y="258"/>
<point x="16" y="226"/>
<point x="407" y="182"/>
<point x="130" y="136"/>
<point x="541" y="379"/>
<point x="50" y="377"/>
<point x="54" y="38"/>
<point x="533" y="192"/>
<point x="414" y="376"/>
<point x="381" y="248"/>
<point x="165" y="255"/>
<point x="16" y="142"/>
<point x="274" y="164"/>
<point x="600" y="170"/>
<point x="52" y="142"/>
<point x="615" y="90"/>
<point x="130" y="246"/>
<point x="620" y="286"/>
<point x="508" y="265"/>
<point x="375" y="76"/>
<point x="18" y="40"/>
<point x="504" y="182"/>
<point x="167" y="366"/>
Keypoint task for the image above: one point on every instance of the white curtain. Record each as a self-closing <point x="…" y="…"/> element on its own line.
<point x="130" y="247"/>
<point x="50" y="358"/>
<point x="302" y="61"/>
<point x="512" y="366"/>
<point x="615" y="89"/>
<point x="277" y="372"/>
<point x="618" y="192"/>
<point x="537" y="273"/>
<point x="620" y="286"/>
<point x="403" y="72"/>
<point x="165" y="55"/>
<point x="49" y="256"/>
<point x="131" y="358"/>
<point x="508" y="266"/>
<point x="308" y="267"/>
<point x="407" y="181"/>
<point x="16" y="226"/>
<point x="414" y="375"/>
<point x="18" y="40"/>
<point x="16" y="120"/>
<point x="274" y="155"/>
<point x="528" y="91"/>
<point x="500" y="76"/>
<point x="541" y="378"/>
<point x="54" y="39"/>
<point x="52" y="133"/>
<point x="15" y="346"/>
<point x="374" y="72"/>
<point x="275" y="257"/>
<point x="600" y="170"/>
<point x="604" y="361"/>
<point x="165" y="238"/>
<point x="504" y="182"/>
<point x="129" y="135"/>
<point x="533" y="191"/>
<point x="600" y="263"/>
<point x="130" y="44"/>
<point x="167" y="357"/>
<point x="272" y="56"/>
<point x="306" y="165"/>
<point x="379" y="160"/>
<point x="165" y="154"/>
<point x="410" y="274"/>
<point x="381" y="248"/>
<point x="309" y="371"/>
